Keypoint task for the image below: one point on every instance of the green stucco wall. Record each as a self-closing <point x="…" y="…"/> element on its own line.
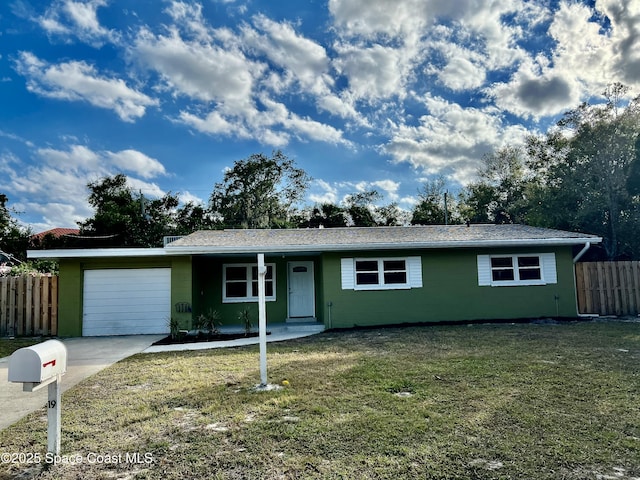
<point x="72" y="277"/>
<point x="207" y="288"/>
<point x="450" y="292"/>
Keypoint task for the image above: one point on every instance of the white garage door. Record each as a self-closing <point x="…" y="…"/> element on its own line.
<point x="126" y="301"/>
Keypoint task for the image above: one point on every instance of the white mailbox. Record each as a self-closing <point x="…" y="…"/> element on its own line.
<point x="38" y="363"/>
<point x="39" y="366"/>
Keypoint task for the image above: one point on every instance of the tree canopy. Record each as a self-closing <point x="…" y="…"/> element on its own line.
<point x="124" y="217"/>
<point x="14" y="239"/>
<point x="582" y="175"/>
<point x="259" y="192"/>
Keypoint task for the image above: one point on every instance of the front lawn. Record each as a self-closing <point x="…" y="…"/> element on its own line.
<point x="10" y="345"/>
<point x="533" y="401"/>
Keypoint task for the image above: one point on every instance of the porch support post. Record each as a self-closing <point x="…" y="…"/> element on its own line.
<point x="262" y="319"/>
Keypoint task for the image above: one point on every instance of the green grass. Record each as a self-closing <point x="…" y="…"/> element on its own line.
<point x="459" y="402"/>
<point x="8" y="346"/>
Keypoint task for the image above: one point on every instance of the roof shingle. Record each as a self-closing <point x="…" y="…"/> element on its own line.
<point x="351" y="238"/>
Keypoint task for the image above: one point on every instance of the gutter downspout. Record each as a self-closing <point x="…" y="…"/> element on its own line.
<point x="581" y="252"/>
<point x="575" y="286"/>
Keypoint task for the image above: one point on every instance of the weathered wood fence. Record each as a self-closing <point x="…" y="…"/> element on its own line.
<point x="608" y="288"/>
<point x="29" y="305"/>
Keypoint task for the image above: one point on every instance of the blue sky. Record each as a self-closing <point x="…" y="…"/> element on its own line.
<point x="360" y="93"/>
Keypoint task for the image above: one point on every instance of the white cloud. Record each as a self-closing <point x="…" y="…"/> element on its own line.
<point x="373" y="18"/>
<point x="79" y="81"/>
<point x="450" y="140"/>
<point x="56" y="186"/>
<point x="80" y="18"/>
<point x="625" y="19"/>
<point x="376" y="72"/>
<point x="78" y="157"/>
<point x="56" y="215"/>
<point x="303" y="59"/>
<point x="389" y="187"/>
<point x="136" y="162"/>
<point x="189" y="16"/>
<point x="188" y="197"/>
<point x="202" y="71"/>
<point x="327" y="193"/>
<point x="586" y="58"/>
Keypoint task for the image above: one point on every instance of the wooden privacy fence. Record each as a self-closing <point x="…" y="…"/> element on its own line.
<point x="608" y="288"/>
<point x="29" y="305"/>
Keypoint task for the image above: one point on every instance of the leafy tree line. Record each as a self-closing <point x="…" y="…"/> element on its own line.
<point x="581" y="175"/>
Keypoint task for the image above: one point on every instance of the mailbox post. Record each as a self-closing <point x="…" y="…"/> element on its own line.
<point x="39" y="366"/>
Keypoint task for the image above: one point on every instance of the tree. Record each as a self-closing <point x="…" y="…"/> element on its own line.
<point x="125" y="218"/>
<point x="361" y="209"/>
<point x="259" y="192"/>
<point x="192" y="217"/>
<point x="586" y="177"/>
<point x="499" y="194"/>
<point x="430" y="209"/>
<point x="14" y="239"/>
<point x="325" y="215"/>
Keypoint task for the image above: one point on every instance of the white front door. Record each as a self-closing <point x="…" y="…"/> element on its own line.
<point x="301" y="290"/>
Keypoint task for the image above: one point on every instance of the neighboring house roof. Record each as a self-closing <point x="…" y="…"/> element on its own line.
<point x="378" y="238"/>
<point x="340" y="239"/>
<point x="57" y="232"/>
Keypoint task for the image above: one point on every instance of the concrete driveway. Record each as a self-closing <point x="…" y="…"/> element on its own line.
<point x="85" y="356"/>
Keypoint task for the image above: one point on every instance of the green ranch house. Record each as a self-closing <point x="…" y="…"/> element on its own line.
<point x="339" y="278"/>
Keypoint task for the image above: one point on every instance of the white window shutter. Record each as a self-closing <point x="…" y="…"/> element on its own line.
<point x="414" y="265"/>
<point x="549" y="270"/>
<point x="347" y="273"/>
<point x="484" y="270"/>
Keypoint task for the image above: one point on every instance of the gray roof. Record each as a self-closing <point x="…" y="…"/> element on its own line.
<point x="377" y="238"/>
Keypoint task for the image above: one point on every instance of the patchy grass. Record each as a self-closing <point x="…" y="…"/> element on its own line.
<point x="482" y="402"/>
<point x="10" y="345"/>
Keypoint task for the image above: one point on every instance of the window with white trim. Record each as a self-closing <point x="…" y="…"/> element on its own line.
<point x="240" y="282"/>
<point x="517" y="269"/>
<point x="381" y="273"/>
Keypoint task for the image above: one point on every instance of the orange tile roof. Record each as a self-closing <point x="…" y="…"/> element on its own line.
<point x="57" y="232"/>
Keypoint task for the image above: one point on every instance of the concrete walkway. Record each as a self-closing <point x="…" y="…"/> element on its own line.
<point x="88" y="355"/>
<point x="277" y="333"/>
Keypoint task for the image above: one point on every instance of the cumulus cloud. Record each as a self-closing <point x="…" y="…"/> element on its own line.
<point x="79" y="81"/>
<point x="450" y="140"/>
<point x="376" y="72"/>
<point x="303" y="59"/>
<point x="374" y="18"/>
<point x="55" y="187"/>
<point x="323" y="192"/>
<point x="136" y="162"/>
<point x="68" y="18"/>
<point x="201" y="71"/>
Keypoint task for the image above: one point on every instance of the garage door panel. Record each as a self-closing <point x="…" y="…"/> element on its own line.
<point x="126" y="301"/>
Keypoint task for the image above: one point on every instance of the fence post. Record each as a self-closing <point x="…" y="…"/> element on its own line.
<point x="28" y="302"/>
<point x="54" y="305"/>
<point x="4" y="314"/>
<point x="44" y="306"/>
<point x="37" y="317"/>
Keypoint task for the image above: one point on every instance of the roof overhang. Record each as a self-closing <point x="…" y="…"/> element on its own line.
<point x="254" y="249"/>
<point x="62" y="253"/>
<point x="315" y="249"/>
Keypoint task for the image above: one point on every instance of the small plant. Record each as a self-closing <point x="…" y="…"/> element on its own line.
<point x="245" y="319"/>
<point x="208" y="323"/>
<point x="174" y="328"/>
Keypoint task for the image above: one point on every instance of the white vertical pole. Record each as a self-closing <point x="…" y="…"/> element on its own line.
<point x="54" y="416"/>
<point x="262" y="319"/>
